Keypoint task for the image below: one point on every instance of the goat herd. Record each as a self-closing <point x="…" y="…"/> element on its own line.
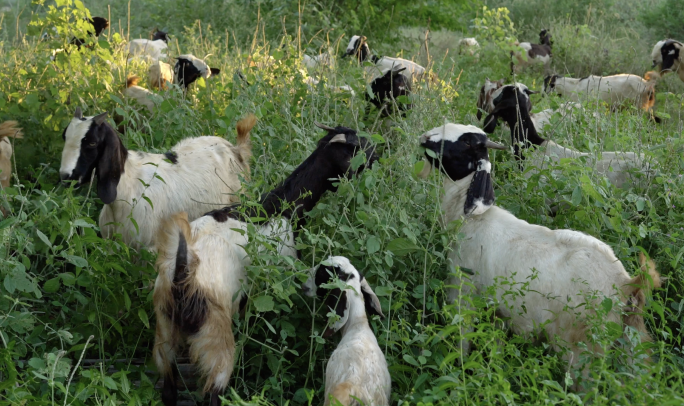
<point x="201" y="263"/>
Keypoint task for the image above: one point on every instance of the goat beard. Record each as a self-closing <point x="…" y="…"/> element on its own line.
<point x="480" y="195"/>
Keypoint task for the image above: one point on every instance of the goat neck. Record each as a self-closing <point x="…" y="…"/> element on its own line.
<point x="522" y="127"/>
<point x="358" y="321"/>
<point x="455" y="195"/>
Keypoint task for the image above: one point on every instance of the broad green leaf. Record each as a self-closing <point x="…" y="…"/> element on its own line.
<point x="44" y="238"/>
<point x="143" y="317"/>
<point x="76" y="260"/>
<point x="402" y="246"/>
<point x="263" y="303"/>
<point x="51" y="285"/>
<point x="372" y="245"/>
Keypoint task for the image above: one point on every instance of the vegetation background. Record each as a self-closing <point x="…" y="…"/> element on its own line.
<point x="76" y="320"/>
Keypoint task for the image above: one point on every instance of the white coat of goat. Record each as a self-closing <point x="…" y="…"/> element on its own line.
<point x="140" y="94"/>
<point x="468" y="46"/>
<point x="357" y="368"/>
<point x="554" y="264"/>
<point x="197" y="175"/>
<point x="159" y="74"/>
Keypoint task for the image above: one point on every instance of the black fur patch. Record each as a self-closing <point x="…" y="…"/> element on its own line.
<point x="172" y="156"/>
<point x="190" y="309"/>
<point x="481" y="189"/>
<point x="169" y="393"/>
<point x="670" y="53"/>
<point x="387" y="88"/>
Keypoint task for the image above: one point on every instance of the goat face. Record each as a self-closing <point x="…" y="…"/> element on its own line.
<point x="388" y="87"/>
<point x="160" y="35"/>
<point x="340" y="145"/>
<point x="100" y="24"/>
<point x="337" y="299"/>
<point x="358" y="47"/>
<point x="459" y="150"/>
<point x="545" y="38"/>
<point x="89" y="143"/>
<point x="670" y="53"/>
<point x="550" y="83"/>
<point x="484" y="100"/>
<point x="188" y="69"/>
<point x="503" y="99"/>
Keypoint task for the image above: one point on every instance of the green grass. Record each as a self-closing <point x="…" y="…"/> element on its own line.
<point x="62" y="283"/>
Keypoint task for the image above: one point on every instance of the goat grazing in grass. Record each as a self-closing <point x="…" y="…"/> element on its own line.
<point x="202" y="279"/>
<point x="8" y="130"/>
<point x="188" y="69"/>
<point x="140" y="189"/>
<point x="359" y="48"/>
<point x="553" y="264"/>
<point x="357" y="369"/>
<point x="468" y="46"/>
<point x="511" y="105"/>
<point x="151" y="50"/>
<point x="387" y="88"/>
<point x="668" y="54"/>
<point x="533" y="53"/>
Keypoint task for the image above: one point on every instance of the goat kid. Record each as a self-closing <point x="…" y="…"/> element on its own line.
<point x="357" y="369"/>
<point x="202" y="280"/>
<point x="552" y="263"/>
<point x="468" y="46"/>
<point x="668" y="54"/>
<point x="198" y="174"/>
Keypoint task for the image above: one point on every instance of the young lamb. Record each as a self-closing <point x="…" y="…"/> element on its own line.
<point x="387" y="88"/>
<point x="140" y="94"/>
<point x="188" y="69"/>
<point x="357" y="369"/>
<point x="668" y="54"/>
<point x="140" y="189"/>
<point x="159" y="74"/>
<point x="533" y="53"/>
<point x="359" y="48"/>
<point x="202" y="280"/>
<point x="554" y="264"/>
<point x="151" y="50"/>
<point x="614" y="90"/>
<point x="8" y="130"/>
<point x="468" y="46"/>
<point x="616" y="166"/>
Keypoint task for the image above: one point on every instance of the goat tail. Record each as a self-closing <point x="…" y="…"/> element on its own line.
<point x="10" y="129"/>
<point x="244" y="127"/>
<point x="132" y="81"/>
<point x="636" y="290"/>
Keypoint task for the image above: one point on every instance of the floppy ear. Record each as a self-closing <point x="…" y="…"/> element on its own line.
<point x="480" y="195"/>
<point x="110" y="165"/>
<point x="370" y="301"/>
<point x="490" y="123"/>
<point x="214" y="71"/>
<point x="337" y="300"/>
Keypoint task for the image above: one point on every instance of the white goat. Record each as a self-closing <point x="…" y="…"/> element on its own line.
<point x="509" y="106"/>
<point x="561" y="268"/>
<point x="359" y="47"/>
<point x="149" y="50"/>
<point x="357" y="369"/>
<point x="468" y="46"/>
<point x="201" y="265"/>
<point x="140" y="94"/>
<point x="140" y="189"/>
<point x="668" y="54"/>
<point x="8" y="130"/>
<point x="313" y="63"/>
<point x="159" y="74"/>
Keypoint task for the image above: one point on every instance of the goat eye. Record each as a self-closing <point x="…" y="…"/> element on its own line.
<point x="92" y="144"/>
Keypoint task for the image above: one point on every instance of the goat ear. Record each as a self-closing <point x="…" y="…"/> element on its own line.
<point x="214" y="71"/>
<point x="341" y="138"/>
<point x="110" y="166"/>
<point x="100" y="118"/>
<point x="370" y="300"/>
<point x="490" y="123"/>
<point x="337" y="300"/>
<point x="480" y="195"/>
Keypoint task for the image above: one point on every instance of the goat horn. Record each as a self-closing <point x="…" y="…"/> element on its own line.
<point x="78" y="113"/>
<point x="493" y="145"/>
<point x="323" y="126"/>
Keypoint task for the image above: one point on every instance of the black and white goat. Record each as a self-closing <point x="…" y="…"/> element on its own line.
<point x="357" y="369"/>
<point x="189" y="68"/>
<point x="614" y="90"/>
<point x="359" y="48"/>
<point x="150" y="50"/>
<point x="202" y="279"/>
<point x="668" y="54"/>
<point x="8" y="129"/>
<point x="99" y="25"/>
<point x="512" y="106"/>
<point x="140" y="189"/>
<point x="533" y="53"/>
<point x="552" y="264"/>
<point x="387" y="88"/>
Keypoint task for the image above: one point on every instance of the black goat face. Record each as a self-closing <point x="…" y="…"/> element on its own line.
<point x="188" y="69"/>
<point x="670" y="53"/>
<point x="160" y="35"/>
<point x="550" y="83"/>
<point x="341" y="144"/>
<point x="387" y="88"/>
<point x="358" y="47"/>
<point x="545" y="38"/>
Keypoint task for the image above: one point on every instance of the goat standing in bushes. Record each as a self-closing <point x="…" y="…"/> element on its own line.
<point x="359" y="48"/>
<point x="140" y="189"/>
<point x="8" y="130"/>
<point x="668" y="54"/>
<point x="357" y="369"/>
<point x="553" y="264"/>
<point x="202" y="280"/>
<point x="189" y="68"/>
<point x="387" y="88"/>
<point x="512" y="105"/>
<point x="533" y="53"/>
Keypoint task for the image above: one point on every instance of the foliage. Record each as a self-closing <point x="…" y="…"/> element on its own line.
<point x="665" y="19"/>
<point x="62" y="283"/>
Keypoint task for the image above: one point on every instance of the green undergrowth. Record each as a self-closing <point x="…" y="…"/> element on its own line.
<point x="76" y="315"/>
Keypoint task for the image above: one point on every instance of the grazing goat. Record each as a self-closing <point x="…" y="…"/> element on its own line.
<point x="359" y="48"/>
<point x="668" y="54"/>
<point x="140" y="189"/>
<point x="159" y="74"/>
<point x="188" y="69"/>
<point x="140" y="94"/>
<point x="533" y="53"/>
<point x="614" y="90"/>
<point x="8" y="130"/>
<point x="387" y="88"/>
<point x="357" y="369"/>
<point x="510" y="107"/>
<point x="150" y="50"/>
<point x="468" y="46"/>
<point x="202" y="278"/>
<point x="552" y="264"/>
